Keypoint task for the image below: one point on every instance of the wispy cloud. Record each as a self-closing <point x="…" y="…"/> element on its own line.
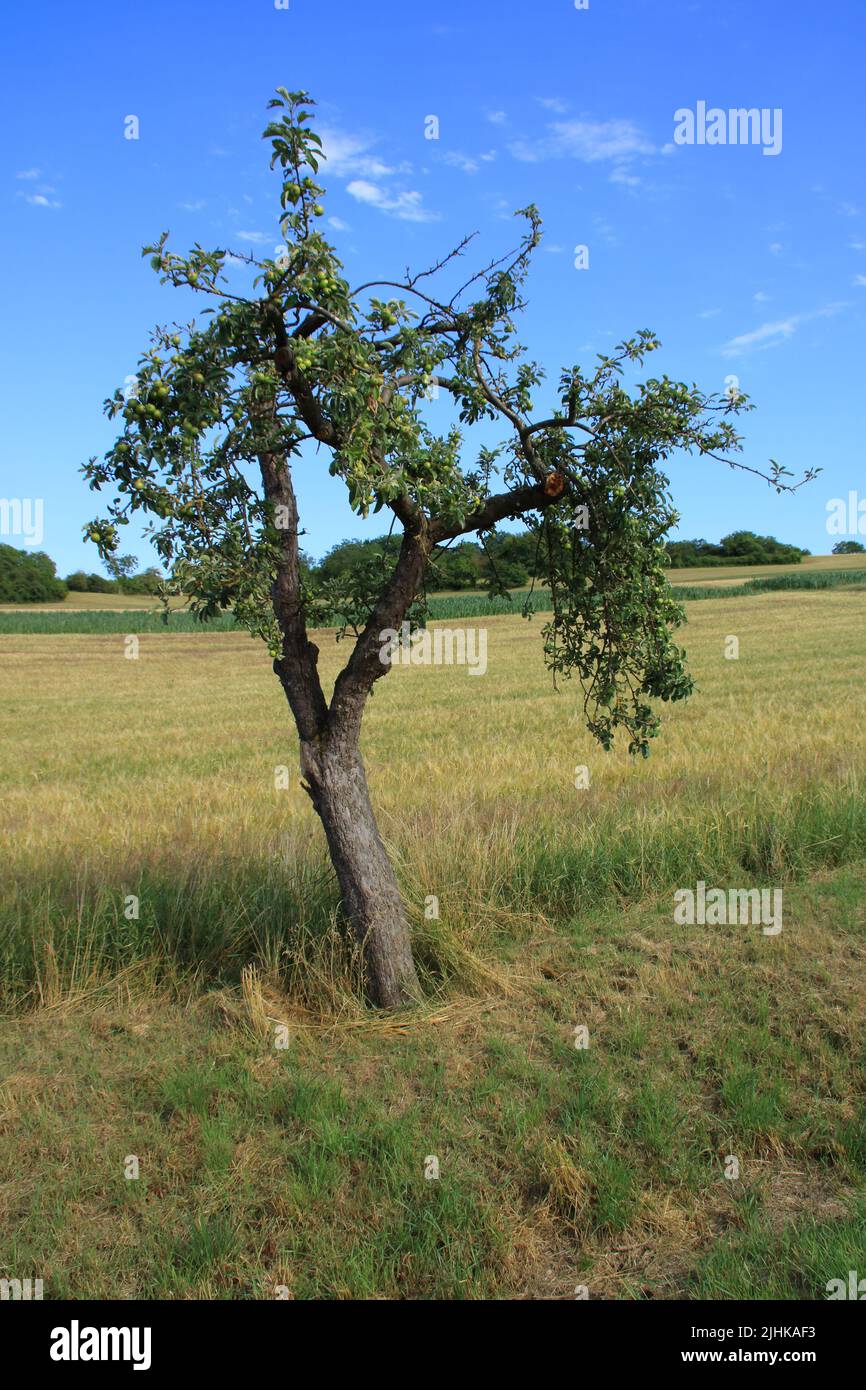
<point x="588" y="141"/>
<point x="42" y="199"/>
<point x="553" y="104"/>
<point x="860" y="279"/>
<point x="621" y="175"/>
<point x="458" y="160"/>
<point x="405" y="206"/>
<point x="257" y="238"/>
<point x="771" y="335"/>
<point x="348" y="155"/>
<point x="338" y="224"/>
<point x="351" y="156"/>
<point x="192" y="207"/>
<point x="42" y="196"/>
<point x="497" y="117"/>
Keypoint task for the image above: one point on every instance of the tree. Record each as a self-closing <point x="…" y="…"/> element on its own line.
<point x="849" y="548"/>
<point x="739" y="548"/>
<point x="759" y="550"/>
<point x="223" y="410"/>
<point x="149" y="581"/>
<point x="28" y="577"/>
<point x="120" y="567"/>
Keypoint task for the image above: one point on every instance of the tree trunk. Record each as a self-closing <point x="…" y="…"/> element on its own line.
<point x="331" y="761"/>
<point x="334" y="775"/>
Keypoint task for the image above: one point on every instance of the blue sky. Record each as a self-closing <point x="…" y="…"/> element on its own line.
<point x="744" y="263"/>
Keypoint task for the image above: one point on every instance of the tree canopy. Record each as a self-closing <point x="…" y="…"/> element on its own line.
<point x="738" y="548"/>
<point x="314" y="358"/>
<point x="28" y="577"/>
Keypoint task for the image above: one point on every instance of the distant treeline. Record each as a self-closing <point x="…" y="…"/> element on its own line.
<point x="28" y="577"/>
<point x="504" y="561"/>
<point x="31" y="577"/>
<point x="739" y="548"/>
<point x="512" y="560"/>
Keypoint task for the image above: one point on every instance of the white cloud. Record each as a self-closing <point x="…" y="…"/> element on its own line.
<point x="708" y="313"/>
<point x="497" y="117"/>
<point x="349" y="154"/>
<point x="776" y="247"/>
<point x="405" y="206"/>
<point x="860" y="279"/>
<point x="29" y="174"/>
<point x="768" y="335"/>
<point x="457" y="160"/>
<point x="259" y="238"/>
<point x="338" y="224"/>
<point x="553" y="104"/>
<point x="41" y="200"/>
<point x="761" y="298"/>
<point x="621" y="175"/>
<point x="192" y="207"/>
<point x="589" y="141"/>
<point x="771" y="335"/>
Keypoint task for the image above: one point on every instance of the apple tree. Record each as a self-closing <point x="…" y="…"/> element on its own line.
<point x="223" y="407"/>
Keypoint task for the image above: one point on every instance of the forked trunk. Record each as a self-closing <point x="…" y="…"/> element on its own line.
<point x="334" y="773"/>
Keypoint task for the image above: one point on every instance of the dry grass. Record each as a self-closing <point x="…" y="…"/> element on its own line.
<point x="171" y="757"/>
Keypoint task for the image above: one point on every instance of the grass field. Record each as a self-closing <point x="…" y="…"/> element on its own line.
<point x="301" y="1168"/>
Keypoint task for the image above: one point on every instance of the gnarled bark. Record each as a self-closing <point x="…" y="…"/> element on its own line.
<point x="334" y="776"/>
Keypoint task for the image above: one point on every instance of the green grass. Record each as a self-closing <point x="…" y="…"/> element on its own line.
<point x="791" y="1264"/>
<point x="303" y="1168"/>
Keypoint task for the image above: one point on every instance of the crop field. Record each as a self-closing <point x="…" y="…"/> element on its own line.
<point x="177" y="988"/>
